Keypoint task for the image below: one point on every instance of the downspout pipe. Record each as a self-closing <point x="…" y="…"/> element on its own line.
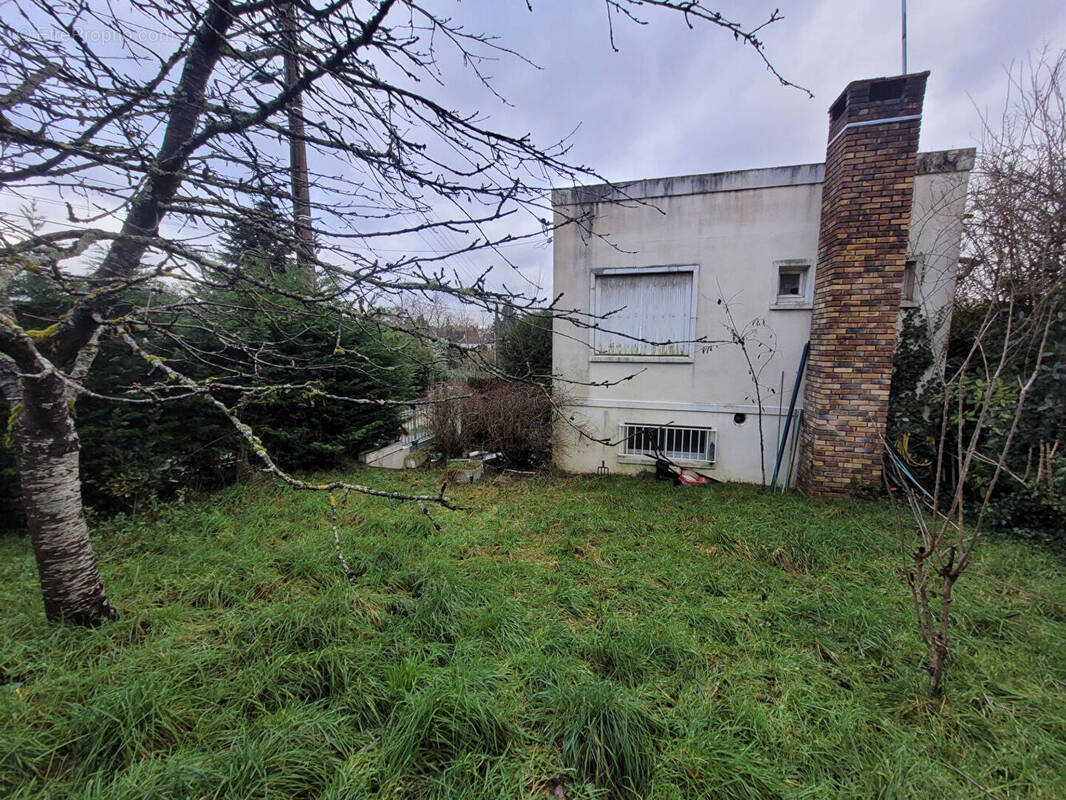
<point x="788" y="417"/>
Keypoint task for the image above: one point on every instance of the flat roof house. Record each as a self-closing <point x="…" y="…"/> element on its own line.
<point x="672" y="273"/>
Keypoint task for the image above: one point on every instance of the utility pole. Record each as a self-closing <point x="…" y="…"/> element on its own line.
<point x="301" y="190"/>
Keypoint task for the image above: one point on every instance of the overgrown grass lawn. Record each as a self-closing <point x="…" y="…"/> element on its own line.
<point x="581" y="637"/>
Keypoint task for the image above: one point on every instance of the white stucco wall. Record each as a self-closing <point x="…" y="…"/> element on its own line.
<point x="935" y="232"/>
<point x="734" y="227"/>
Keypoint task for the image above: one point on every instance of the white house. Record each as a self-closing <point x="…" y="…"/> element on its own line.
<point x="668" y="273"/>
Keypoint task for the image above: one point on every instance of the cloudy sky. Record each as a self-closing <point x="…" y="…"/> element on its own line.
<point x="677" y="101"/>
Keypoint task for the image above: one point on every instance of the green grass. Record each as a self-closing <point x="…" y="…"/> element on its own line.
<point x="616" y="636"/>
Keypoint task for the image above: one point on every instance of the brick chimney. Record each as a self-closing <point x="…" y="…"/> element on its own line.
<point x="862" y="253"/>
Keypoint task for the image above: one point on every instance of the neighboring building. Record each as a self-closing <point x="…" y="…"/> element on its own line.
<point x="477" y="340"/>
<point x="659" y="266"/>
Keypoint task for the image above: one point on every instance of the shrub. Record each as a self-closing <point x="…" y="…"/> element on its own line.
<point x="304" y="430"/>
<point x="515" y="419"/>
<point x="512" y="418"/>
<point x="449" y="416"/>
<point x="1030" y="500"/>
<point x="912" y="408"/>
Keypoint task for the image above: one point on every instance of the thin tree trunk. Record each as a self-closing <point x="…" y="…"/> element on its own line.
<point x="938" y="648"/>
<point x="46" y="451"/>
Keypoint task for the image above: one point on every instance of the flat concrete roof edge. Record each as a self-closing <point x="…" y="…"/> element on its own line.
<point x="939" y="161"/>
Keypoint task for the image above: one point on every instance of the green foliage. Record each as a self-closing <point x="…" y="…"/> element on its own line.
<point x="134" y="454"/>
<point x="1029" y="499"/>
<point x="305" y="430"/>
<point x="598" y="634"/>
<point x="334" y="353"/>
<point x="912" y="412"/>
<point x="9" y="485"/>
<point x="259" y="238"/>
<point x="131" y="454"/>
<point x="524" y="346"/>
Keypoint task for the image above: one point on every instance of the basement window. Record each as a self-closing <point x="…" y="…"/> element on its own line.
<point x="676" y="443"/>
<point x="644" y="314"/>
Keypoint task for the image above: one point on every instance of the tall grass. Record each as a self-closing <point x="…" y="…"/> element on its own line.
<point x="605" y="734"/>
<point x="604" y="637"/>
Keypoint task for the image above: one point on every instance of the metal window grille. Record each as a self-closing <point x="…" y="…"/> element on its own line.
<point x="676" y="443"/>
<point x="790" y="283"/>
<point x="792" y="280"/>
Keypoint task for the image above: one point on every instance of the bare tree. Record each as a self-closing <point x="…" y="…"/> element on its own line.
<point x="154" y="125"/>
<point x="1012" y="294"/>
<point x="758" y="344"/>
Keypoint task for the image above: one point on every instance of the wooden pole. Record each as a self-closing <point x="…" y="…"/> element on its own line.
<point x="301" y="190"/>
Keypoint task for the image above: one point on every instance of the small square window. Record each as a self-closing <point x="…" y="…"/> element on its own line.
<point x="790" y="283"/>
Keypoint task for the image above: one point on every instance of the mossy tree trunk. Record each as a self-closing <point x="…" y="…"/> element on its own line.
<point x="46" y="451"/>
<point x="39" y="370"/>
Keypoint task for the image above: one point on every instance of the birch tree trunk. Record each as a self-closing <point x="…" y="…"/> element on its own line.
<point x="42" y="426"/>
<point x="46" y="450"/>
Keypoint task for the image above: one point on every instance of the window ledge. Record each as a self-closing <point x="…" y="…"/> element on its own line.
<point x="909" y="304"/>
<point x="785" y="305"/>
<point x="646" y="359"/>
<point x="648" y="461"/>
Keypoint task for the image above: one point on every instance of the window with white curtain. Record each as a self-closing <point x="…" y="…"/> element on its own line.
<point x="644" y="313"/>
